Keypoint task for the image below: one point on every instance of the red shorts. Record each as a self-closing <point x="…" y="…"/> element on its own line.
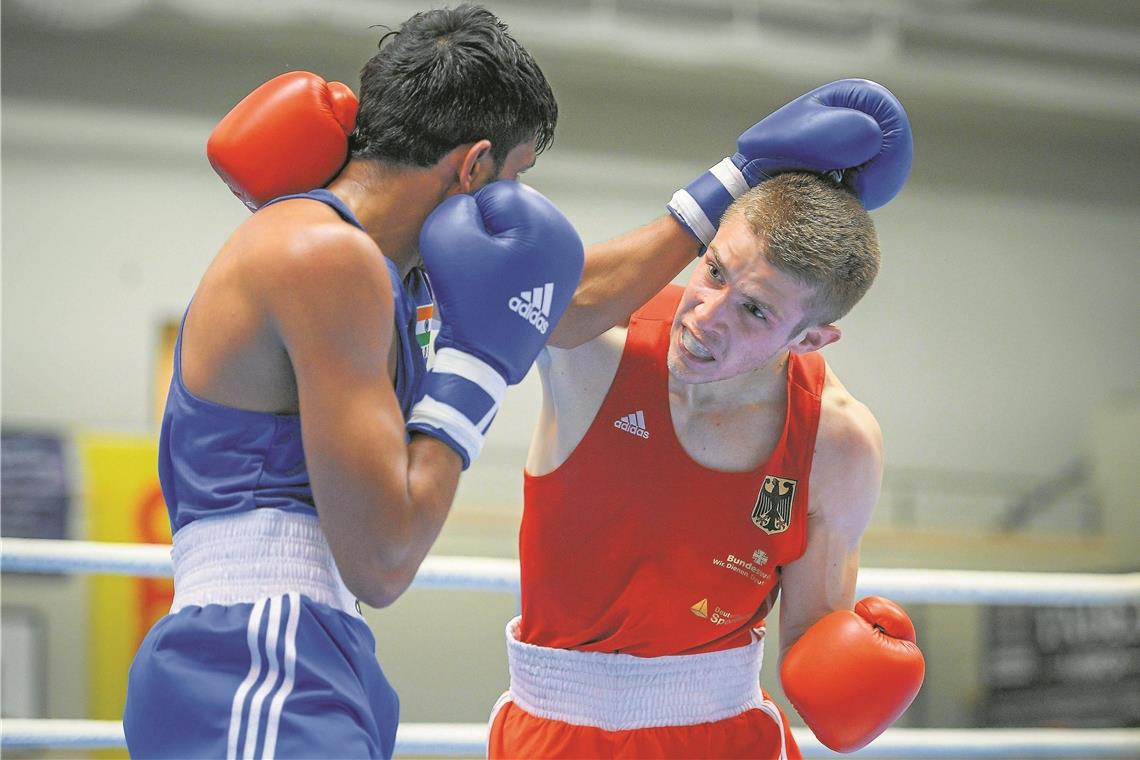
<point x="757" y="733"/>
<point x="574" y="704"/>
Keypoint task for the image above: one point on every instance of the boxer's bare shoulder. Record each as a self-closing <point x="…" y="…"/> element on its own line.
<point x="848" y="462"/>
<point x="575" y="382"/>
<point x="281" y="261"/>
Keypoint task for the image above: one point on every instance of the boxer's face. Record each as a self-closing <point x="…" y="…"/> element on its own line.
<point x="737" y="312"/>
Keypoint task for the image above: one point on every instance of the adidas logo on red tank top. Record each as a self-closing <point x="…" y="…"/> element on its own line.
<point x="634" y="424"/>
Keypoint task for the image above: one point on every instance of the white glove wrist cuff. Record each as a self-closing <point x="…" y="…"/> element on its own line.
<point x="462" y="412"/>
<point x="452" y="361"/>
<point x="686" y="208"/>
<point x="731" y="178"/>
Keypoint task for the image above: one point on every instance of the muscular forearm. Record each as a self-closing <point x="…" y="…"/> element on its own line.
<point x="414" y="520"/>
<point x="433" y="476"/>
<point x="381" y="502"/>
<point x="622" y="274"/>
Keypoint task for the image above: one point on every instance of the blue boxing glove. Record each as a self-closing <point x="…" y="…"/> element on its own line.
<point x="504" y="264"/>
<point x="853" y="129"/>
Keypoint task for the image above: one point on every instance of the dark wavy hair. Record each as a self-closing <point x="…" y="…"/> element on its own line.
<point x="449" y="77"/>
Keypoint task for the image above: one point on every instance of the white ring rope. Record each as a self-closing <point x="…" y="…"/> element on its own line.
<point x="469" y="739"/>
<point x="25" y="555"/>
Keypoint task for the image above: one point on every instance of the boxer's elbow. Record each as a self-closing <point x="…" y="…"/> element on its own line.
<point x="569" y="333"/>
<point x="582" y="328"/>
<point x="381" y="582"/>
<point x="381" y="569"/>
<point x="378" y="595"/>
<point x="383" y="533"/>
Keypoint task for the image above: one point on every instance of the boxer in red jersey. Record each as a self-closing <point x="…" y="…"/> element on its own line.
<point x="694" y="457"/>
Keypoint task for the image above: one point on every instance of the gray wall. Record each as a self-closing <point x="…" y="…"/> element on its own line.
<point x="1002" y="327"/>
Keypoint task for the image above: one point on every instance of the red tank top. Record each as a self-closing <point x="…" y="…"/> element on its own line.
<point x="631" y="546"/>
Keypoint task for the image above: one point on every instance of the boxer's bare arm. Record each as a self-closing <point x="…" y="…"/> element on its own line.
<point x="845" y="479"/>
<point x="381" y="502"/>
<point x="574" y="384"/>
<point x="621" y="275"/>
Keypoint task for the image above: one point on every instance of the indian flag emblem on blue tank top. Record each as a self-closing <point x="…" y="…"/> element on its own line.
<point x="425" y="327"/>
<point x="773" y="510"/>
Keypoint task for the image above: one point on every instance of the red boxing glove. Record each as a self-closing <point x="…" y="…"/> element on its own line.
<point x="287" y="136"/>
<point x="853" y="673"/>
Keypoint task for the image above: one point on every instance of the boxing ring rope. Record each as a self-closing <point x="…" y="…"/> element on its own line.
<point x="468" y="739"/>
<point x="26" y="555"/>
<point x="502" y="575"/>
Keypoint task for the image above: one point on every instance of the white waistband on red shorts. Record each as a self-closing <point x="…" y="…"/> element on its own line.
<point x="235" y="559"/>
<point x="618" y="692"/>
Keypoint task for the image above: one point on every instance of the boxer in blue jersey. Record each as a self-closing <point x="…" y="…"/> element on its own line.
<point x="308" y="454"/>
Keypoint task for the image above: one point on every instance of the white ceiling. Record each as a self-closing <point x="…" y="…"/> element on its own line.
<point x="1024" y="97"/>
<point x="1081" y="56"/>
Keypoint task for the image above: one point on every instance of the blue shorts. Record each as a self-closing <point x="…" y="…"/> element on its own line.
<point x="283" y="677"/>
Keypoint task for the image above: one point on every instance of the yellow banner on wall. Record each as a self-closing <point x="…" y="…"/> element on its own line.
<point x="124" y="504"/>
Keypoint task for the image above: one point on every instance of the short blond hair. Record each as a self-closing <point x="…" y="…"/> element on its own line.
<point x="816" y="230"/>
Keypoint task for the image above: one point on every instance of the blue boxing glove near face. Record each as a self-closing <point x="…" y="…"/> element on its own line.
<point x="503" y="263"/>
<point x="854" y="129"/>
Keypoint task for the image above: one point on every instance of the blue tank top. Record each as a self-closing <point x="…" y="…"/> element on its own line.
<point x="215" y="460"/>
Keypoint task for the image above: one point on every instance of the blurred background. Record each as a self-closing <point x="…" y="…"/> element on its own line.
<point x="999" y="348"/>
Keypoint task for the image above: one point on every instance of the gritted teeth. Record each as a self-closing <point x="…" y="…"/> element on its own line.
<point x="694" y="346"/>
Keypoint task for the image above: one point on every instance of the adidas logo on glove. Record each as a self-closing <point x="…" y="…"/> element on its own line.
<point x="633" y="423"/>
<point x="534" y="306"/>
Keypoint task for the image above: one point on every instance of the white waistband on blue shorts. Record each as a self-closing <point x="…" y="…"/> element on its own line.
<point x="235" y="559"/>
<point x="618" y="692"/>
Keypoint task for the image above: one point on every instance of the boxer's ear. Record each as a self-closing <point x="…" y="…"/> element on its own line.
<point x="477" y="167"/>
<point x="814" y="338"/>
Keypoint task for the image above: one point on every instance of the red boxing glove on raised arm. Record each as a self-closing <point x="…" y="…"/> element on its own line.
<point x="853" y="673"/>
<point x="287" y="136"/>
